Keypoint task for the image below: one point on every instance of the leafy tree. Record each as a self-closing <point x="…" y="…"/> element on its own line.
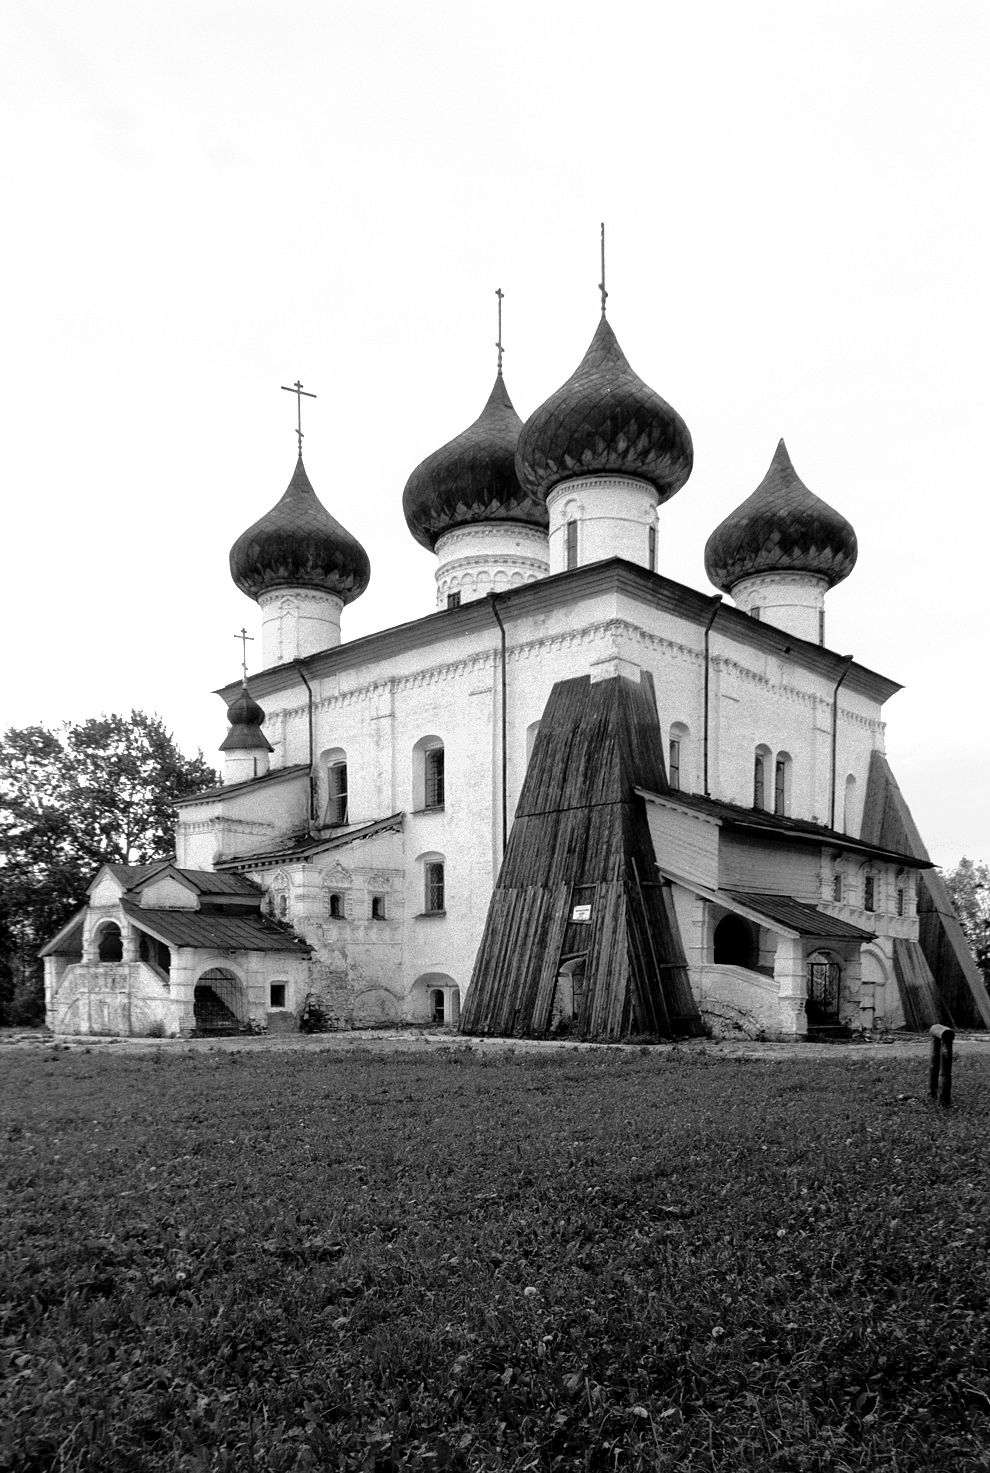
<point x="969" y="886"/>
<point x="70" y="800"/>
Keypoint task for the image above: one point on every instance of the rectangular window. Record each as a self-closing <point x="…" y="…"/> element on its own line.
<point x="454" y="600"/>
<point x="652" y="549"/>
<point x="837" y="887"/>
<point x="378" y="907"/>
<point x="869" y="893"/>
<point x="821" y="626"/>
<point x="337" y="807"/>
<point x="674" y="765"/>
<point x="433" y="900"/>
<point x="571" y="545"/>
<point x="754" y="612"/>
<point x="900" y="901"/>
<point x="779" y="787"/>
<point x="434" y="778"/>
<point x="759" y="795"/>
<point x="276" y="994"/>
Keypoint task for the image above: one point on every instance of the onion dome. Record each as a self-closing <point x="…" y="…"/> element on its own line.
<point x="473" y="478"/>
<point x="782" y="528"/>
<point x="298" y="544"/>
<point x="246" y="720"/>
<point x="604" y="420"/>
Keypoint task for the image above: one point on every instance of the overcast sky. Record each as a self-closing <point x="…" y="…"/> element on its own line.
<point x="204" y="201"/>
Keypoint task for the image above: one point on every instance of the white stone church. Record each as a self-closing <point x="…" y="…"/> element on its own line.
<point x="578" y="798"/>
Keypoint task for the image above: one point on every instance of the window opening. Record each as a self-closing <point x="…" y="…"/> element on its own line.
<point x="674" y="764"/>
<point x="434" y="794"/>
<point x="433" y="900"/>
<point x="836" y="887"/>
<point x="454" y="600"/>
<point x="337" y="805"/>
<point x="780" y="786"/>
<point x="335" y="906"/>
<point x="754" y="612"/>
<point x="378" y="907"/>
<point x="759" y="782"/>
<point x="111" y="944"/>
<point x="572" y="536"/>
<point x="734" y="943"/>
<point x="821" y="626"/>
<point x="277" y="994"/>
<point x="869" y="893"/>
<point x="900" y="900"/>
<point x="652" y="549"/>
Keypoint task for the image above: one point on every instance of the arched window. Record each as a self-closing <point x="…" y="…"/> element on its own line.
<point x="278" y="897"/>
<point x="335" y="905"/>
<point x="734" y="942"/>
<point x="677" y="758"/>
<point x="782" y="784"/>
<point x="849" y="805"/>
<point x="761" y="765"/>
<point x="428" y="774"/>
<point x="111" y="943"/>
<point x="433" y="887"/>
<point x="334" y="763"/>
<point x="869" y="891"/>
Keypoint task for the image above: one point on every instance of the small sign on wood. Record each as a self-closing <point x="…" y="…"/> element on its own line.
<point x="581" y="913"/>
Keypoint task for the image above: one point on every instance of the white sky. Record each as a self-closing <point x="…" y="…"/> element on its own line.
<point x="203" y="201"/>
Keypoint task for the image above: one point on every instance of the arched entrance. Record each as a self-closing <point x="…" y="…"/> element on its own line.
<point x="111" y="944"/>
<point x="734" y="943"/>
<point x="568" y="996"/>
<point x="824" y="990"/>
<point x="218" y="1002"/>
<point x="436" y="999"/>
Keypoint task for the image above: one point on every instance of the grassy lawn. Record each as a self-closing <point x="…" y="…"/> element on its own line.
<point x="286" y="1261"/>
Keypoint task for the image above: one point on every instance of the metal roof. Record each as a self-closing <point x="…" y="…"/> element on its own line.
<point x="68" y="941"/>
<point x="251" y="782"/>
<point x="807" y="920"/>
<point x="292" y="848"/>
<point x="223" y="932"/>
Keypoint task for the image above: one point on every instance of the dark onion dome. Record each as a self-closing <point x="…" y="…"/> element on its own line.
<point x="782" y="528"/>
<point x="298" y="544"/>
<point x="604" y="420"/>
<point x="472" y="478"/>
<point x="246" y="720"/>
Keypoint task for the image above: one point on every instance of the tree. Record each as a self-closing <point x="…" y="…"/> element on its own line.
<point x="70" y="800"/>
<point x="969" y="886"/>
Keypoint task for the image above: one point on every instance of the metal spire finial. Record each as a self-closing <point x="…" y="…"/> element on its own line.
<point x="300" y="393"/>
<point x="601" y="284"/>
<point x="500" y="294"/>
<point x="244" y="637"/>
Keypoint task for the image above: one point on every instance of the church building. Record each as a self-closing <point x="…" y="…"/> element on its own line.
<point x="580" y="798"/>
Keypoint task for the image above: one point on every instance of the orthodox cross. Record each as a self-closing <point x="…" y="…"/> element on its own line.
<point x="300" y="394"/>
<point x="500" y="294"/>
<point x="244" y="637"/>
<point x="601" y="284"/>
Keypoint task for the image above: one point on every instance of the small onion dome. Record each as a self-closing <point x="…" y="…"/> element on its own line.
<point x="472" y="478"/>
<point x="246" y="720"/>
<point x="782" y="528"/>
<point x="604" y="420"/>
<point x="298" y="544"/>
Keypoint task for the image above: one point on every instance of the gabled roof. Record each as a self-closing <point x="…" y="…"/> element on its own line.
<point x="68" y="941"/>
<point x="756" y="821"/>
<point x="276" y="775"/>
<point x="222" y="932"/>
<point x="303" y="845"/>
<point x="207" y="882"/>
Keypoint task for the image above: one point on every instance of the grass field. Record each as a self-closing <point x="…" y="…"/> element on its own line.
<point x="606" y="1261"/>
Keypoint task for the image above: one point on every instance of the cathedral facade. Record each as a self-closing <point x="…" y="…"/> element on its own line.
<point x="578" y="798"/>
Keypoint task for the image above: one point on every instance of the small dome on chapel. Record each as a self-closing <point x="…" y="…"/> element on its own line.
<point x="604" y="420"/>
<point x="782" y="528"/>
<point x="246" y="719"/>
<point x="298" y="544"/>
<point x="472" y="478"/>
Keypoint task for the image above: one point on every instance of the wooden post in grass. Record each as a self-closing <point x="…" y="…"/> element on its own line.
<point x="940" y="1070"/>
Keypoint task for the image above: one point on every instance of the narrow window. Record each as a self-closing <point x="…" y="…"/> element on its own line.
<point x="571" y="545"/>
<point x="759" y="781"/>
<point x="335" y="906"/>
<point x="454" y="600"/>
<point x="869" y="893"/>
<point x="754" y="612"/>
<point x="277" y="995"/>
<point x="378" y="907"/>
<point x="836" y="887"/>
<point x="821" y="626"/>
<point x="434" y="778"/>
<point x="282" y="907"/>
<point x="652" y="549"/>
<point x="338" y="793"/>
<point x="674" y="765"/>
<point x="433" y="900"/>
<point x="780" y="786"/>
<point x="900" y="900"/>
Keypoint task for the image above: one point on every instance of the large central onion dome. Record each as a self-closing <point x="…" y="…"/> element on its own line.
<point x="782" y="528"/>
<point x="298" y="544"/>
<point x="604" y="420"/>
<point x="472" y="478"/>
